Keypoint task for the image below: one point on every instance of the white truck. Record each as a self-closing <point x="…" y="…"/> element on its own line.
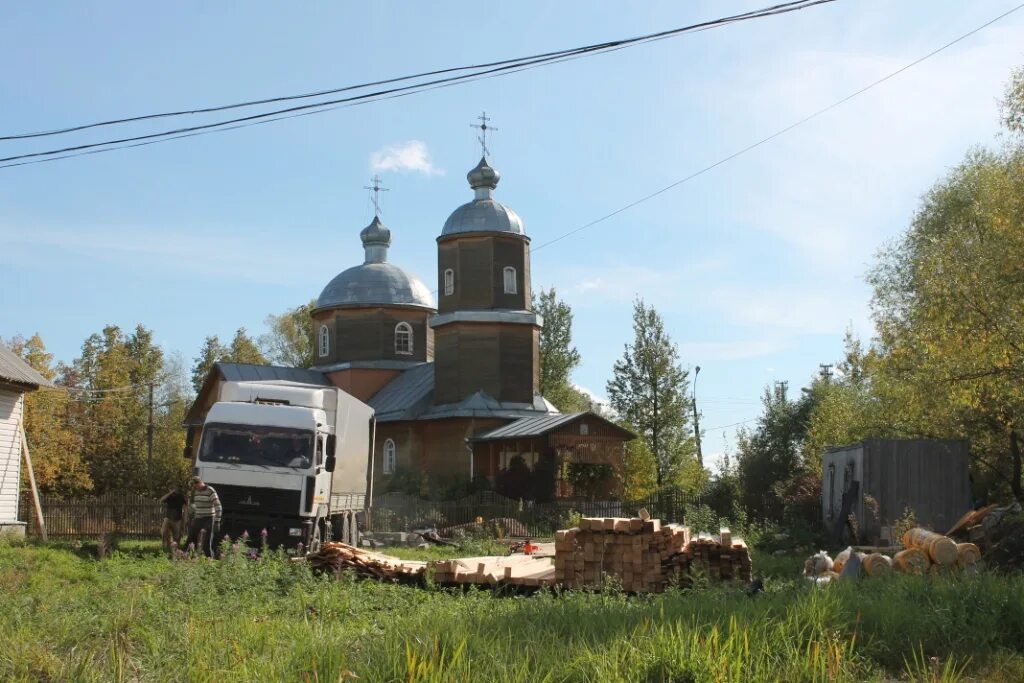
<point x="292" y="459"/>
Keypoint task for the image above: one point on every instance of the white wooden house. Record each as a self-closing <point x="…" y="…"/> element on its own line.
<point x="16" y="379"/>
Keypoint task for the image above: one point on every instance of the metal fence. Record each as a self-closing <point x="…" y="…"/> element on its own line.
<point x="138" y="516"/>
<point x="128" y="515"/>
<point x="400" y="512"/>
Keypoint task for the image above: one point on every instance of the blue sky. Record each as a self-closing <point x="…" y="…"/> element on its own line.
<point x="757" y="266"/>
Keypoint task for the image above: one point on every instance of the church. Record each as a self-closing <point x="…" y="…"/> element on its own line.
<point x="454" y="385"/>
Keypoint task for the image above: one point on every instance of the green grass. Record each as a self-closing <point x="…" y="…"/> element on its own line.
<point x="139" y="617"/>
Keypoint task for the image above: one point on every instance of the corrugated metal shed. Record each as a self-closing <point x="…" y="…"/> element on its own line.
<point x="13" y="369"/>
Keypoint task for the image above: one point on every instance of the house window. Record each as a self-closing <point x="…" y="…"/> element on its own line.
<point x="389" y="457"/>
<point x="449" y="282"/>
<point x="403" y="339"/>
<point x="325" y="341"/>
<point x="510" y="280"/>
<point x="584" y="429"/>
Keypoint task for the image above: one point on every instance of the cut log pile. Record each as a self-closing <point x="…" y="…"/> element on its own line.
<point x="642" y="555"/>
<point x="924" y="552"/>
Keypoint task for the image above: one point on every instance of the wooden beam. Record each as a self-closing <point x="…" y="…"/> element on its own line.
<point x="32" y="482"/>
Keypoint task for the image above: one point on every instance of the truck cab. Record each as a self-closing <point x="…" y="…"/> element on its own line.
<point x="290" y="461"/>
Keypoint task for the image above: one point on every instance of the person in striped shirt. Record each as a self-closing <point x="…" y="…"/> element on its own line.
<point x="206" y="513"/>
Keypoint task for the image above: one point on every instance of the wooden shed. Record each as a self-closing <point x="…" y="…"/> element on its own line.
<point x="876" y="480"/>
<point x="16" y="379"/>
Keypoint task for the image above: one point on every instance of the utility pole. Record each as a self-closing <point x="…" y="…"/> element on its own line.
<point x="826" y="371"/>
<point x="781" y="389"/>
<point x="696" y="417"/>
<point x="149" y="438"/>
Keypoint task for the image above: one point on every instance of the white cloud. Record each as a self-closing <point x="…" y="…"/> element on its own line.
<point x="405" y="156"/>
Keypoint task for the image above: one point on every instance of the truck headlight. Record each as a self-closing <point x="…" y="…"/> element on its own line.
<point x="295" y="532"/>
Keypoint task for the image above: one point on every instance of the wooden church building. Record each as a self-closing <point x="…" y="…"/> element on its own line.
<point x="454" y="385"/>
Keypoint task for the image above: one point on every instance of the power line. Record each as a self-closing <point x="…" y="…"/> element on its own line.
<point x="774" y="135"/>
<point x="767" y="11"/>
<point x="506" y="67"/>
<point x="734" y="424"/>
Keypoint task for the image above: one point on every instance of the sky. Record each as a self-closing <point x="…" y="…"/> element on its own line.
<point x="757" y="266"/>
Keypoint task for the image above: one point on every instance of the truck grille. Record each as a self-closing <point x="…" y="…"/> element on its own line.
<point x="258" y="500"/>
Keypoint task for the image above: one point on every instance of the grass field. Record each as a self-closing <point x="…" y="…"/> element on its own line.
<point x="139" y="617"/>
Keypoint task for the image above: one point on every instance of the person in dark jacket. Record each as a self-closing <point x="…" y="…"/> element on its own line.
<point x="174" y="517"/>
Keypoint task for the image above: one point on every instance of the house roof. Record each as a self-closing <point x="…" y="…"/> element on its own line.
<point x="409" y="397"/>
<point x="16" y="371"/>
<point x="545" y="424"/>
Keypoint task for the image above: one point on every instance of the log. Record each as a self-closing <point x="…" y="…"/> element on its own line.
<point x="967" y="555"/>
<point x="940" y="549"/>
<point x="911" y="561"/>
<point x="877" y="564"/>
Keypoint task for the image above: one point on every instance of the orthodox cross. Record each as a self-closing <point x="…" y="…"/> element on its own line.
<point x="376" y="188"/>
<point x="482" y="138"/>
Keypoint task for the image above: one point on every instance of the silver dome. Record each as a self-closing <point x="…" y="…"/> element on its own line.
<point x="483" y="214"/>
<point x="375" y="282"/>
<point x="381" y="284"/>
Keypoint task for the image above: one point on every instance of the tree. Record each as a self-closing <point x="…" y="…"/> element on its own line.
<point x="558" y="357"/>
<point x="244" y="349"/>
<point x="212" y="352"/>
<point x="56" y="448"/>
<point x="241" y="350"/>
<point x="948" y="305"/>
<point x="289" y="340"/>
<point x="648" y="389"/>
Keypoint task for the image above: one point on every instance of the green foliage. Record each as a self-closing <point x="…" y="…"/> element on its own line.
<point x="589" y="479"/>
<point x="648" y="389"/>
<point x="290" y="337"/>
<point x="558" y="357"/>
<point x="242" y="349"/>
<point x="1013" y="103"/>
<point x="138" y="616"/>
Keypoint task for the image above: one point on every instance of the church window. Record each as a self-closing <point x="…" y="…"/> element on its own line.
<point x="449" y="282"/>
<point x="403" y="339"/>
<point x="510" y="280"/>
<point x="325" y="341"/>
<point x="389" y="457"/>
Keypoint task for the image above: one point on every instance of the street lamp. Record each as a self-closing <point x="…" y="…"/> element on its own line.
<point x="696" y="417"/>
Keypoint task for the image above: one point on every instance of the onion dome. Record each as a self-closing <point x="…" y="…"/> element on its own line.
<point x="376" y="282"/>
<point x="483" y="214"/>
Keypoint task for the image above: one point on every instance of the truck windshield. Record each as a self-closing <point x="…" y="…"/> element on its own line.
<point x="255" y="445"/>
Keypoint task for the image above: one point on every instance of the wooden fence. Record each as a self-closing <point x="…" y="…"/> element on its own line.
<point x="130" y="515"/>
<point x="138" y="516"/>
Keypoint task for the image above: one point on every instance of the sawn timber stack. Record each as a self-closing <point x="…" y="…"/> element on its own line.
<point x="642" y="555"/>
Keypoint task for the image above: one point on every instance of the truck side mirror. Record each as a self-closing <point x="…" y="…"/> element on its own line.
<point x="329" y="464"/>
<point x="332" y="442"/>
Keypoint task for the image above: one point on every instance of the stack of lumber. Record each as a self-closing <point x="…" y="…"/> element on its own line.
<point x="514" y="570"/>
<point x="333" y="558"/>
<point x="640" y="554"/>
<point x="720" y="559"/>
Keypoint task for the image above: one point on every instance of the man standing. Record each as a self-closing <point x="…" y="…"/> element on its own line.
<point x="206" y="513"/>
<point x="174" y="509"/>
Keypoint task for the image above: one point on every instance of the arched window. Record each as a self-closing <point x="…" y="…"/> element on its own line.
<point x="449" y="282"/>
<point x="510" y="280"/>
<point x="403" y="339"/>
<point x="389" y="457"/>
<point x="325" y="341"/>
